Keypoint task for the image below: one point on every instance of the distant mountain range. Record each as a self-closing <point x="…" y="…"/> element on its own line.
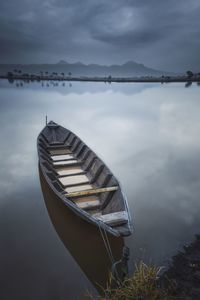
<point x="128" y="69"/>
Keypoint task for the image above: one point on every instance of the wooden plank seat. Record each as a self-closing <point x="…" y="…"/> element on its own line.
<point x="55" y="147"/>
<point x="64" y="160"/>
<point x="114" y="219"/>
<point x="59" y="151"/>
<point x="73" y="180"/>
<point x="86" y="190"/>
<point x="67" y="162"/>
<point x="61" y="157"/>
<point x="69" y="170"/>
<point x="87" y="203"/>
<point x="77" y="189"/>
<point x="56" y="143"/>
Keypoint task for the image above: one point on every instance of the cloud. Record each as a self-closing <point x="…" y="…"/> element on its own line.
<point x="103" y="32"/>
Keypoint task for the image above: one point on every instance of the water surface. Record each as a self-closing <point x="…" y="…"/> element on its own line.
<point x="147" y="134"/>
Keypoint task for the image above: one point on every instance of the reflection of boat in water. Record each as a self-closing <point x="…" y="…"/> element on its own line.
<point x="82" y="240"/>
<point x="82" y="181"/>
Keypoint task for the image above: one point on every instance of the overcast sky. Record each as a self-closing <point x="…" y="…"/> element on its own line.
<point x="161" y="34"/>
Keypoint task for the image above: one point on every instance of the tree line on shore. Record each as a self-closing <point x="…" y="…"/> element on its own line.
<point x="17" y="74"/>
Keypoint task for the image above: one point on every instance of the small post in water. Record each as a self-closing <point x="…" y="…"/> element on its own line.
<point x="46" y="120"/>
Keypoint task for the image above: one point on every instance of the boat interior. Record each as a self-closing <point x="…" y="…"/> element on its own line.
<point x="78" y="174"/>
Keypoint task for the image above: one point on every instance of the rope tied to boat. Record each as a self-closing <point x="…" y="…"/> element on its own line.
<point x="106" y="243"/>
<point x="119" y="269"/>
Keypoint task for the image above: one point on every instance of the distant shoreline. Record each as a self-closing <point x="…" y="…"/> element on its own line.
<point x="109" y="79"/>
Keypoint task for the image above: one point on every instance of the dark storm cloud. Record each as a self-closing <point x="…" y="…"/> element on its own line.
<point x="161" y="34"/>
<point x="130" y="39"/>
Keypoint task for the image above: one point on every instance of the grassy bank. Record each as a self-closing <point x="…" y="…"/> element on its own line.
<point x="180" y="282"/>
<point x="142" y="285"/>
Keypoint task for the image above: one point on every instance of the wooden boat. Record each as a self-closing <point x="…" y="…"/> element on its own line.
<point x="82" y="181"/>
<point x="93" y="258"/>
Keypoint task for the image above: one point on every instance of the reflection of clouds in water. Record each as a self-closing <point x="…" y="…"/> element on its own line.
<point x="18" y="151"/>
<point x="14" y="172"/>
<point x="163" y="192"/>
<point x="34" y="262"/>
<point x="148" y="138"/>
<point x="180" y="124"/>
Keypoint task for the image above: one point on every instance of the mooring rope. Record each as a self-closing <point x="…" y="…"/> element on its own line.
<point x="113" y="269"/>
<point x="109" y="247"/>
<point x="106" y="244"/>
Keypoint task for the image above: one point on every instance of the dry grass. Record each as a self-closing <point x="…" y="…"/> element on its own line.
<point x="143" y="285"/>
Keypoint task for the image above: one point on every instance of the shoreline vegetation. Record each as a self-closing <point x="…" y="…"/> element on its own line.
<point x="189" y="77"/>
<point x="142" y="285"/>
<point x="180" y="282"/>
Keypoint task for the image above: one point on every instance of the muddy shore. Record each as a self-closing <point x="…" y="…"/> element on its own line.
<point x="183" y="276"/>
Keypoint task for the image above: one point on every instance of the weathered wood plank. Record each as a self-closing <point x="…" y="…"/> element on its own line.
<point x="58" y="147"/>
<point x="88" y="203"/>
<point x="61" y="157"/>
<point x="60" y="151"/>
<point x="114" y="219"/>
<point x="65" y="162"/>
<point x="92" y="191"/>
<point x="86" y="199"/>
<point x="69" y="170"/>
<point x="78" y="188"/>
<point x="75" y="179"/>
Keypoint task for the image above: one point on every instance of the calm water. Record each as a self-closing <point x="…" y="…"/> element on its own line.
<point x="147" y="134"/>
